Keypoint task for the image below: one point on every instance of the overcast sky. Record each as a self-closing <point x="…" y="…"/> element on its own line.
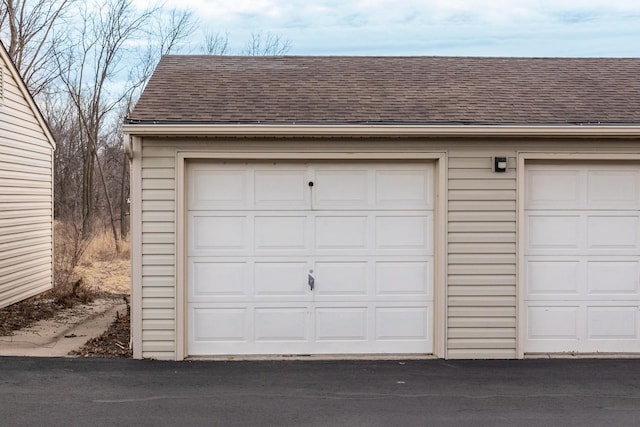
<point x="429" y="27"/>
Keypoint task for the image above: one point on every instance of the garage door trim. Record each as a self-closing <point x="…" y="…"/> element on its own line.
<point x="523" y="159"/>
<point x="182" y="157"/>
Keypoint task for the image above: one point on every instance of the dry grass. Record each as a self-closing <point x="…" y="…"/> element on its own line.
<point x="82" y="266"/>
<point x="104" y="269"/>
<point x="101" y="247"/>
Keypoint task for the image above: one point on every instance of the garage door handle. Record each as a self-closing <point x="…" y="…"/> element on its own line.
<point x="311" y="281"/>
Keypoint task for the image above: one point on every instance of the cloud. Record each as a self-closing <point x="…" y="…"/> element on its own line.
<point x="425" y="27"/>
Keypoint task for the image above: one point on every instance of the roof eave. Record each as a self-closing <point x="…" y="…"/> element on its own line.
<point x="265" y="130"/>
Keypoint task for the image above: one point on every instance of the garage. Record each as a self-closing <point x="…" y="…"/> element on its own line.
<point x="463" y="208"/>
<point x="581" y="257"/>
<point x="309" y="258"/>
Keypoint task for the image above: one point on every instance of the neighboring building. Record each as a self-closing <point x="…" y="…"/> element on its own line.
<point x="26" y="191"/>
<point x="460" y="207"/>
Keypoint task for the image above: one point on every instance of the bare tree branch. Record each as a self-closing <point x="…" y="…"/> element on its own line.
<point x="266" y="44"/>
<point x="93" y="73"/>
<point x="28" y="29"/>
<point x="215" y="44"/>
<point x="173" y="28"/>
<point x="86" y="69"/>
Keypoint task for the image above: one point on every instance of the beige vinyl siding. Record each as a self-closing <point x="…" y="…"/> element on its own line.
<point x="26" y="198"/>
<point x="158" y="253"/>
<point x="481" y="256"/>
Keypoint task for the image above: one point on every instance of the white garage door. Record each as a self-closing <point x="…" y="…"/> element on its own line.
<point x="582" y="258"/>
<point x="323" y="258"/>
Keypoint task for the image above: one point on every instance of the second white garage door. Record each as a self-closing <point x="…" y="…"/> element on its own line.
<point x="290" y="258"/>
<point x="582" y="258"/>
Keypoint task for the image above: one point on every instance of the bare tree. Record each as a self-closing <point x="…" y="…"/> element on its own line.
<point x="266" y="44"/>
<point x="63" y="122"/>
<point x="85" y="70"/>
<point x="28" y="29"/>
<point x="216" y="44"/>
<point x="89" y="70"/>
<point x="171" y="29"/>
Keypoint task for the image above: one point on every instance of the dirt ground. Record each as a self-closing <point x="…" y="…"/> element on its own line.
<point x="113" y="343"/>
<point x="101" y="279"/>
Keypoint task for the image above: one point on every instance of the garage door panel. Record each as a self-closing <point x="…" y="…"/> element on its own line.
<point x="400" y="278"/>
<point x="281" y="189"/>
<point x="277" y="233"/>
<point x="613" y="189"/>
<point x="341" y="189"/>
<point x="402" y="232"/>
<point x="553" y="231"/>
<point x="219" y="324"/>
<point x="613" y="277"/>
<point x="554" y="277"/>
<point x="613" y="232"/>
<point x="341" y="324"/>
<point x="341" y="278"/>
<point x="404" y="189"/>
<point x="553" y="188"/>
<point x="218" y="189"/>
<point x="281" y="324"/>
<point x="553" y="322"/>
<point x="612" y="323"/>
<point x="280" y="278"/>
<point x="219" y="279"/>
<point x="403" y="323"/>
<point x="218" y="233"/>
<point x="341" y="232"/>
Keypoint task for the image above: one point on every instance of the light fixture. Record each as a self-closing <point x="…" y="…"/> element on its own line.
<point x="499" y="164"/>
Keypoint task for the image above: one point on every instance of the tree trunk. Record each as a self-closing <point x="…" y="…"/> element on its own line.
<point x="112" y="219"/>
<point x="87" y="191"/>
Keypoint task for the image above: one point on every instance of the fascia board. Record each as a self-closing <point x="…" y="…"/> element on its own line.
<point x="611" y="131"/>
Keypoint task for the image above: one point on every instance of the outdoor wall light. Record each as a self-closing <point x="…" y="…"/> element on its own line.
<point x="499" y="164"/>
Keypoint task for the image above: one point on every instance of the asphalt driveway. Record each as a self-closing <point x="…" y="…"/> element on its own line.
<point x="70" y="392"/>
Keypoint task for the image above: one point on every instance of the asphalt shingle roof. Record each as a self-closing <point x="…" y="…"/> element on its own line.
<point x="391" y="90"/>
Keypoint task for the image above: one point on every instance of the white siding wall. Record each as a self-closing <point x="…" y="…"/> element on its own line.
<point x="481" y="238"/>
<point x="26" y="199"/>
